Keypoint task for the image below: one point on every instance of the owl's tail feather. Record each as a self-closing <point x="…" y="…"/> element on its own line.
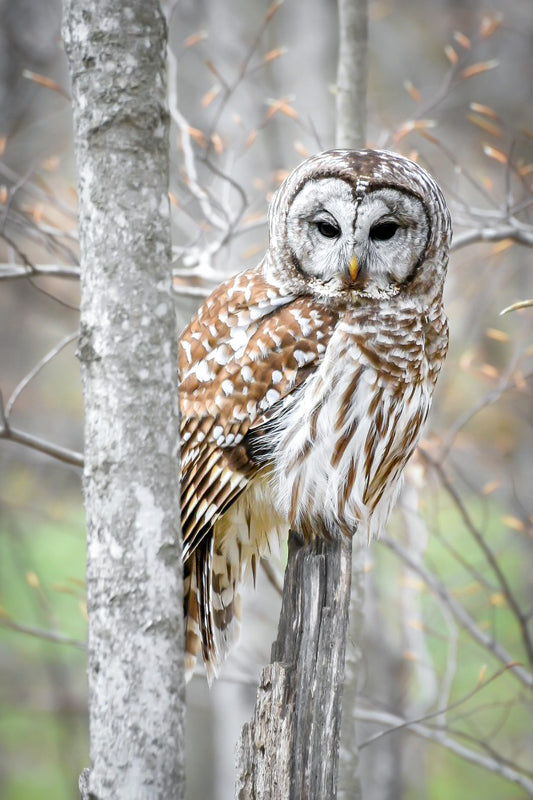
<point x="211" y="609"/>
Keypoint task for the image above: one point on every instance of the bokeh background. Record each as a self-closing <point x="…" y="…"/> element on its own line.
<point x="450" y="84"/>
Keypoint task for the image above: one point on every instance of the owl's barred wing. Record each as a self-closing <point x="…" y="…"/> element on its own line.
<point x="242" y="358"/>
<point x="238" y="359"/>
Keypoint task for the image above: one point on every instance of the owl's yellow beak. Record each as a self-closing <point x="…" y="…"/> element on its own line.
<point x="353" y="268"/>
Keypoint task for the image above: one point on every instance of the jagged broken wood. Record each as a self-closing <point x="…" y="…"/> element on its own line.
<point x="290" y="748"/>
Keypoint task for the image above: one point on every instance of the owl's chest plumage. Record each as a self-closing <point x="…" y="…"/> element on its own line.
<point x="339" y="451"/>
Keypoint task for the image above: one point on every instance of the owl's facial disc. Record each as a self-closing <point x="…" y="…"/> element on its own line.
<point x="392" y="233"/>
<point x="372" y="244"/>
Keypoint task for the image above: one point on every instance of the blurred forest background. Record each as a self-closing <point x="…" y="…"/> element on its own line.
<point x="445" y="701"/>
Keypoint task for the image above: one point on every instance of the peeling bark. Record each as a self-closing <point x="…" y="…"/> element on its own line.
<point x="127" y="351"/>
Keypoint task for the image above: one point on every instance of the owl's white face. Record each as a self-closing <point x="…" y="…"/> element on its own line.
<point x="387" y="231"/>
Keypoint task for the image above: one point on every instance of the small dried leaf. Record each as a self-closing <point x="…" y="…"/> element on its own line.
<point x="451" y="55"/>
<point x="273" y="54"/>
<point x="32" y="580"/>
<point x="214" y="71"/>
<point x="418" y="125"/>
<point x="480" y="67"/>
<point x="218" y="144"/>
<point x="517" y="306"/>
<point x="489" y="371"/>
<point x="410" y="656"/>
<point x="497" y="599"/>
<point x="524" y="170"/>
<point x="482" y="674"/>
<point x="3" y="142"/>
<point x="514" y="523"/>
<point x="252" y="136"/>
<point x="280" y="175"/>
<point x="198" y="136"/>
<point x="50" y="164"/>
<point x="209" y="96"/>
<point x="194" y="38"/>
<point x="283" y="107"/>
<point x="487" y="111"/>
<point x="485" y="124"/>
<point x="497" y="335"/>
<point x="37" y="213"/>
<point x="462" y="39"/>
<point x="301" y="149"/>
<point x="501" y="247"/>
<point x="490" y="23"/>
<point x="429" y="137"/>
<point x="43" y="80"/>
<point x="412" y="91"/>
<point x="493" y="152"/>
<point x="465" y="362"/>
<point x="272" y="10"/>
<point x="490" y="487"/>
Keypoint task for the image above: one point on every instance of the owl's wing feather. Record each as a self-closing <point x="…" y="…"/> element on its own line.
<point x="228" y="390"/>
<point x="242" y="360"/>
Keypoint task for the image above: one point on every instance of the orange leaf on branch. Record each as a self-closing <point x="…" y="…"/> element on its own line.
<point x="479" y="68"/>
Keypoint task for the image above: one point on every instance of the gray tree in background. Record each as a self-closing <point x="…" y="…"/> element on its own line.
<point x="127" y="351"/>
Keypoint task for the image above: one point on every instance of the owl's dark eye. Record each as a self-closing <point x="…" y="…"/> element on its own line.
<point x="328" y="229"/>
<point x="382" y="231"/>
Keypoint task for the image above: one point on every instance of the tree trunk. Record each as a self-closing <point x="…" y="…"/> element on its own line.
<point x="352" y="74"/>
<point x="296" y="721"/>
<point x="128" y="356"/>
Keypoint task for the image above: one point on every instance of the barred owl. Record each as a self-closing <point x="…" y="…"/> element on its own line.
<point x="305" y="382"/>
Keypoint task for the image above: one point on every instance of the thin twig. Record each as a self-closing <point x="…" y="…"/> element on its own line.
<point x="460" y="613"/>
<point x="36" y="370"/>
<point x="426" y="732"/>
<point x="49" y="636"/>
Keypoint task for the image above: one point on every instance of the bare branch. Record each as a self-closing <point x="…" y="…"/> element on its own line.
<point x="439" y="736"/>
<point x="460" y="613"/>
<point x="49" y="636"/>
<point x="36" y="370"/>
<point x="17" y="271"/>
<point x="487" y="552"/>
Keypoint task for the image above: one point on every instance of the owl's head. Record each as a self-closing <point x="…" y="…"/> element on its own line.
<point x="359" y="225"/>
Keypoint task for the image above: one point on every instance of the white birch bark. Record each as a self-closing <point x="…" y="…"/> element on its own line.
<point x="127" y="351"/>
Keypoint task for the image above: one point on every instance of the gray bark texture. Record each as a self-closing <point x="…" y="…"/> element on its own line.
<point x="290" y="748"/>
<point x="352" y="74"/>
<point x="128" y="356"/>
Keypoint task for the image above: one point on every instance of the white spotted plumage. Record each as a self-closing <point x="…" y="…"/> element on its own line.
<point x="305" y="382"/>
